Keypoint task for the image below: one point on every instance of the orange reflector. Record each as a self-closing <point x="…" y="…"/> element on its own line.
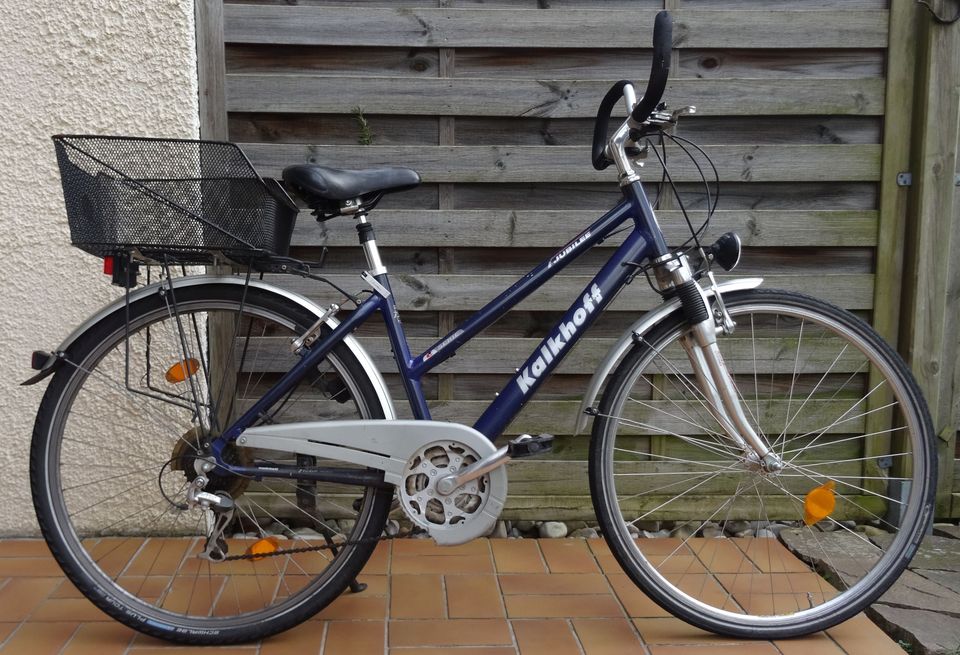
<point x="182" y="370"/>
<point x="818" y="503"/>
<point x="263" y="546"/>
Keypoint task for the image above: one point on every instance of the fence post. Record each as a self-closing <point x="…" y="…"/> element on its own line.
<point x="931" y="298"/>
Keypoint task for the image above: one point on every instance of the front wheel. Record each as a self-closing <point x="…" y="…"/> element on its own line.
<point x="124" y="431"/>
<point x="746" y="552"/>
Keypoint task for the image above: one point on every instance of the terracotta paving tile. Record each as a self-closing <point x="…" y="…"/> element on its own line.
<point x="417" y="597"/>
<point x="99" y="639"/>
<point x="455" y="632"/>
<point x="377" y="585"/>
<point x="24" y="548"/>
<point x="29" y="567"/>
<point x="668" y="546"/>
<point x="568" y="556"/>
<point x="859" y="636"/>
<point x="196" y="650"/>
<point x="159" y="557"/>
<point x="304" y="639"/>
<point x="598" y="547"/>
<point x="403" y="547"/>
<point x="68" y="609"/>
<point x="550" y="637"/>
<point x="607" y="563"/>
<point x="6" y="629"/>
<point x="473" y="597"/>
<point x="635" y="602"/>
<point x="553" y="583"/>
<point x="675" y="631"/>
<point x="517" y="556"/>
<point x="353" y="638"/>
<point x="355" y="607"/>
<point x="113" y="554"/>
<point x="773" y="583"/>
<point x="39" y="638"/>
<point x="66" y="590"/>
<point x="815" y="644"/>
<point x="442" y="564"/>
<point x="722" y="556"/>
<point x="770" y="556"/>
<point x="21" y="596"/>
<point x="562" y="606"/>
<point x="752" y="648"/>
<point x="607" y="636"/>
<point x="502" y="650"/>
<point x="379" y="562"/>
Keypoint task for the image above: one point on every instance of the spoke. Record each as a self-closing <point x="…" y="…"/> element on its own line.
<point x="845" y="439"/>
<point x="717" y="444"/>
<point x="672" y="459"/>
<point x="709" y="446"/>
<point x="109" y="478"/>
<point x="667" y="502"/>
<point x="793" y="381"/>
<point x="840" y="420"/>
<point x="814" y="475"/>
<point x="783" y="435"/>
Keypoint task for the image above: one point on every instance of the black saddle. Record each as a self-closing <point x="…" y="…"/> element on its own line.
<point x="327" y="189"/>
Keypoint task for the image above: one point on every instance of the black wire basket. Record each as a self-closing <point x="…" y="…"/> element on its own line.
<point x="170" y="200"/>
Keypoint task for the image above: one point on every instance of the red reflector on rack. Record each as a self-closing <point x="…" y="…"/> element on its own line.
<point x="108" y="265"/>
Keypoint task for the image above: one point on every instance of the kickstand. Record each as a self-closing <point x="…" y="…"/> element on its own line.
<point x="307" y="501"/>
<point x="355" y="586"/>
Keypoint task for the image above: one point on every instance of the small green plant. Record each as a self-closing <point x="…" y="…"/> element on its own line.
<point x="905" y="645"/>
<point x="366" y="134"/>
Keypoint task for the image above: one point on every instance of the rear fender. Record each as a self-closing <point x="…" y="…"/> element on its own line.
<point x="379" y="385"/>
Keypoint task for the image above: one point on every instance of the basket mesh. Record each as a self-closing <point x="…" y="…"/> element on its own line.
<point x="170" y="199"/>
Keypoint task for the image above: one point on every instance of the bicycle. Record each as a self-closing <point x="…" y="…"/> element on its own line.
<point x="262" y="451"/>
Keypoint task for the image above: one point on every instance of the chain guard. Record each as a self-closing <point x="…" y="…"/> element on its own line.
<point x="393" y="447"/>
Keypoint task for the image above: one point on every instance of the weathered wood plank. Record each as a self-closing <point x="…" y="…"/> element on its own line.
<point x="659" y="417"/>
<point x="712" y="130"/>
<point x="572" y="28"/>
<point x="290" y="93"/>
<point x="552" y="229"/>
<point x="211" y="72"/>
<point x="503" y="355"/>
<point x="469" y="292"/>
<point x="599" y="64"/>
<point x="834" y="163"/>
<point x="739" y="62"/>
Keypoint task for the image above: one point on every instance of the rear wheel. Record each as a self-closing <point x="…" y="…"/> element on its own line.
<point x="123" y="431"/>
<point x="746" y="552"/>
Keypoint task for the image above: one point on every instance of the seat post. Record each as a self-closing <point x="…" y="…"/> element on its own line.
<point x="369" y="243"/>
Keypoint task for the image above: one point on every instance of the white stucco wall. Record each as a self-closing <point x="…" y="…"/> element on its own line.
<point x="83" y="66"/>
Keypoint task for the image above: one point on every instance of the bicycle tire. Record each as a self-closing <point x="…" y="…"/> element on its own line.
<point x="753" y="586"/>
<point x="66" y="468"/>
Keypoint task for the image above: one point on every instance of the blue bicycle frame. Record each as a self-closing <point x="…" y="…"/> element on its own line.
<point x="645" y="240"/>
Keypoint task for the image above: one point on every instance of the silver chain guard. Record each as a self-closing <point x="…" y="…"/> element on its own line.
<point x="392" y="447"/>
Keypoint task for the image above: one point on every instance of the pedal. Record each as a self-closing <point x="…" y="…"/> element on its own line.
<point x="528" y="446"/>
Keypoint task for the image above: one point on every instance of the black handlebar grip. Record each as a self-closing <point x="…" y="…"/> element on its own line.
<point x="659" y="69"/>
<point x="600" y="160"/>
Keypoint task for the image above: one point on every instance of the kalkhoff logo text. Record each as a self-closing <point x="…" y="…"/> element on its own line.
<point x="556" y="343"/>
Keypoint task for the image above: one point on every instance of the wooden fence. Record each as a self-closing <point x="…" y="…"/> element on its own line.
<point x="805" y="108"/>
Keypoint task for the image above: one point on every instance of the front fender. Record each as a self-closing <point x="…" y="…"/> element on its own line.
<point x="380" y="386"/>
<point x="641" y="327"/>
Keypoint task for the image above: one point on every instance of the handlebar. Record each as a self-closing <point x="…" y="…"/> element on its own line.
<point x="659" y="71"/>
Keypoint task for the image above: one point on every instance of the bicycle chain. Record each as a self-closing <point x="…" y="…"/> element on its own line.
<point x="304" y="549"/>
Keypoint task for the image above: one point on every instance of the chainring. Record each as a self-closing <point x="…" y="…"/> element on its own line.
<point x="465" y="511"/>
